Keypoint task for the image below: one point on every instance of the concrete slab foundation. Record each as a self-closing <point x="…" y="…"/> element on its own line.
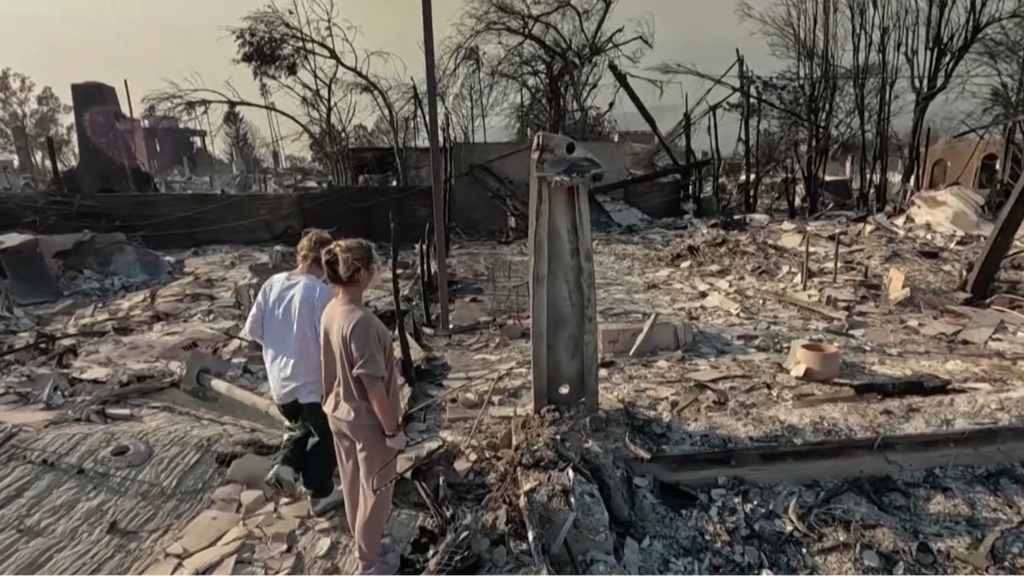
<point x="562" y="290"/>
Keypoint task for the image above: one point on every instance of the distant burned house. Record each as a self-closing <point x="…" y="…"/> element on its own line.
<point x="168" y="143"/>
<point x="972" y="163"/>
<point x="110" y="154"/>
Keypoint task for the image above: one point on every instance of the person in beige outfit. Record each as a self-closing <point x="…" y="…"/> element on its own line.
<point x="361" y="400"/>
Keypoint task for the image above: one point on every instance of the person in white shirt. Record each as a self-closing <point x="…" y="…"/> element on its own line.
<point x="285" y="320"/>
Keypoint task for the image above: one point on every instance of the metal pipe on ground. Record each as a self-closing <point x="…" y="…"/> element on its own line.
<point x="202" y="380"/>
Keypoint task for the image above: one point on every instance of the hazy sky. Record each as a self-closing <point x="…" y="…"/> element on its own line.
<point x="58" y="42"/>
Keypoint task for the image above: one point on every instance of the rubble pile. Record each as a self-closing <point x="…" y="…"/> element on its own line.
<point x="733" y="303"/>
<point x="701" y="327"/>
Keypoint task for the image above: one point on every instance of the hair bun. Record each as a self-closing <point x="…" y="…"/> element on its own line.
<point x="346" y="259"/>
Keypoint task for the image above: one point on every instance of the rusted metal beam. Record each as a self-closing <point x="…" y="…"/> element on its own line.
<point x="563" y="308"/>
<point x="813" y="461"/>
<point x="642" y="109"/>
<point x="986" y="267"/>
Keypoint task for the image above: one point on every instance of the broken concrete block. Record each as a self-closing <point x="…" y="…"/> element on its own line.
<point x="981" y="328"/>
<point x="279" y="529"/>
<point x="297" y="509"/>
<point x="205" y="529"/>
<point x="282" y="564"/>
<point x="268" y="508"/>
<point x="228" y="492"/>
<point x="327" y="525"/>
<point x="250" y="470"/>
<point x="642" y="343"/>
<point x="462" y="466"/>
<point x="161" y="567"/>
<point x="226" y="566"/>
<point x="895" y="290"/>
<point x="615" y="339"/>
<point x="237" y="533"/>
<point x="716" y="300"/>
<point x="252" y="501"/>
<point x="203" y="560"/>
<point x="225" y="505"/>
<point x="175" y="550"/>
<point x="259" y="519"/>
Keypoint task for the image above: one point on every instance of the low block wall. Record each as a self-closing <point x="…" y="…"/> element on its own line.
<point x="187" y="220"/>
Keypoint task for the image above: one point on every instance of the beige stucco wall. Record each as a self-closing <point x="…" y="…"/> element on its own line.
<point x="963" y="159"/>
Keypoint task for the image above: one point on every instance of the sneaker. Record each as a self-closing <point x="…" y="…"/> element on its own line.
<point x="384" y="566"/>
<point x="388" y="547"/>
<point x="282" y="478"/>
<point x="320" y="506"/>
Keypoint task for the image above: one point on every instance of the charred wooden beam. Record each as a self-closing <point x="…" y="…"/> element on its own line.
<point x="642" y="109"/>
<point x="986" y="267"/>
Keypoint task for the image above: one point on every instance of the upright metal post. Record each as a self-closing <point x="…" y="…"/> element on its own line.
<point x="436" y="173"/>
<point x="128" y="97"/>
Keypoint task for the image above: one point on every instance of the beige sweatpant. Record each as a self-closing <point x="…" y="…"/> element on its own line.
<point x="362" y="450"/>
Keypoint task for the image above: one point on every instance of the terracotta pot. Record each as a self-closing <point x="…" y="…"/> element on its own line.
<point x="820" y="361"/>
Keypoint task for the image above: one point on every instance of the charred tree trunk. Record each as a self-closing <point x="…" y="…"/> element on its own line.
<point x="749" y="201"/>
<point x="688" y="186"/>
<point x="403" y="338"/>
<point x="717" y="166"/>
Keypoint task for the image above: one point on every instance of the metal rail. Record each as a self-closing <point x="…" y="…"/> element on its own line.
<point x="870" y="456"/>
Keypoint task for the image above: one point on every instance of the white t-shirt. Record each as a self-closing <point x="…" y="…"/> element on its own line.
<point x="285" y="319"/>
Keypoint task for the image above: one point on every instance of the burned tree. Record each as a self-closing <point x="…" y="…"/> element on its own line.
<point x="547" y="58"/>
<point x="809" y="34"/>
<point x="998" y="66"/>
<point x="884" y="60"/>
<point x="468" y="92"/>
<point x="941" y="34"/>
<point x="876" y="37"/>
<point x="245" y="147"/>
<point x="192" y="98"/>
<point x="40" y="113"/>
<point x="303" y="51"/>
<point x="862" y="38"/>
<point x="308" y="50"/>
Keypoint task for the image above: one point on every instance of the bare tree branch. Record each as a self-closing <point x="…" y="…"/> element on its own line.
<point x="545" y="60"/>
